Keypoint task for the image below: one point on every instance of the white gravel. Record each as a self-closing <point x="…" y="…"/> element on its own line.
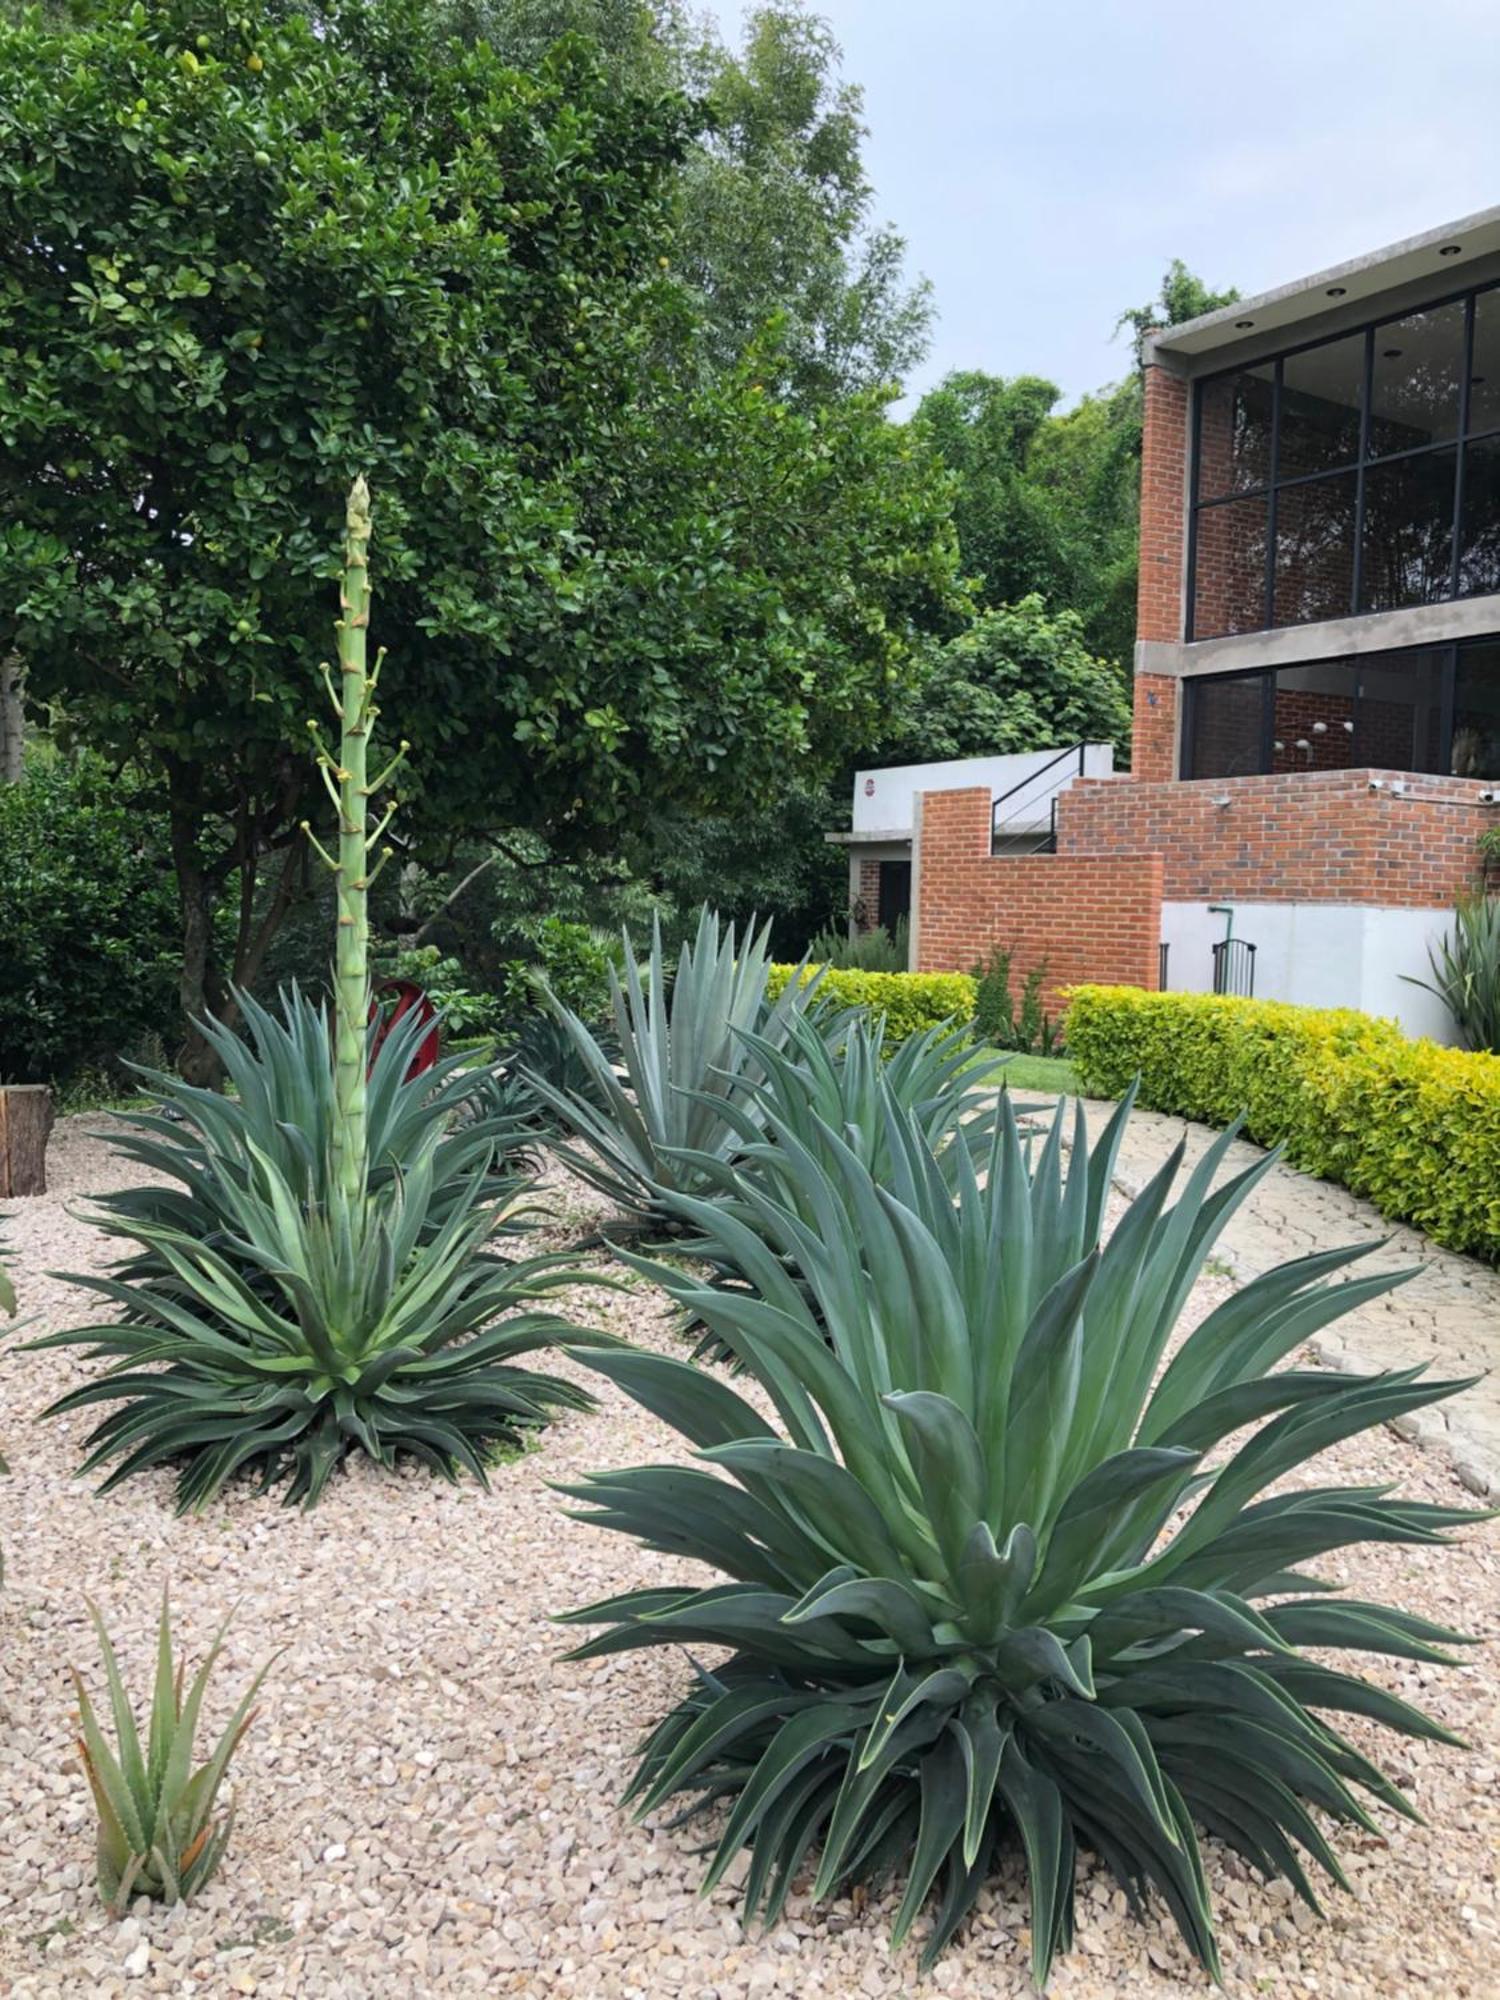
<point x="428" y="1802"/>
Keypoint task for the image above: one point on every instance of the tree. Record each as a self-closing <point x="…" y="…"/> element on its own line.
<point x="243" y="258"/>
<point x="1020" y="678"/>
<point x="775" y="211"/>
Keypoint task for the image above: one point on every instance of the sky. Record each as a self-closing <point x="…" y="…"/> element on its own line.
<point x="1046" y="162"/>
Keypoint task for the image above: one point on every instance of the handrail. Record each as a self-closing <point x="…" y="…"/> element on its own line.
<point x="1073" y="750"/>
<point x="1047" y="839"/>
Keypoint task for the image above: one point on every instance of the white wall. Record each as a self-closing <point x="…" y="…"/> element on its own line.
<point x="883" y="799"/>
<point x="1320" y="955"/>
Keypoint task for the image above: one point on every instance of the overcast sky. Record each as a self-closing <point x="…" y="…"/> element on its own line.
<point x="1045" y="162"/>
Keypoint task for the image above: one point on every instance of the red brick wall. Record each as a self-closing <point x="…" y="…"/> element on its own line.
<point x="866" y="911"/>
<point x="1096" y="917"/>
<point x="1153" y="728"/>
<point x="1308" y="836"/>
<point x="1163" y="506"/>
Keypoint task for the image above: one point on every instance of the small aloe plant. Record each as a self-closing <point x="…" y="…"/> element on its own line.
<point x="158" y="1831"/>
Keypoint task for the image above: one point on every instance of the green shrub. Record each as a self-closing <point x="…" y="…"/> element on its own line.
<point x="89" y="943"/>
<point x="985" y="1577"/>
<point x="1412" y="1126"/>
<point x="877" y="950"/>
<point x="1029" y="1030"/>
<point x="909" y="1002"/>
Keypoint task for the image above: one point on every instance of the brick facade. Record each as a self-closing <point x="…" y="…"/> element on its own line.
<point x="1153" y="731"/>
<point x="1095" y="917"/>
<point x="866" y="910"/>
<point x="1163" y="506"/>
<point x="1306" y="836"/>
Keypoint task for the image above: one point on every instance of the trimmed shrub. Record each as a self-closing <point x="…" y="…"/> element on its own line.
<point x="1409" y="1124"/>
<point x="911" y="1002"/>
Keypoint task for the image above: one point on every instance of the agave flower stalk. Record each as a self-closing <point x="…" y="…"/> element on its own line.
<point x="351" y="788"/>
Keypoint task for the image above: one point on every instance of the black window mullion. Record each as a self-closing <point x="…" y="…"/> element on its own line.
<point x="1267" y="719"/>
<point x="1356" y="583"/>
<point x="1268" y="603"/>
<point x="1463" y="433"/>
<point x="1446" y="698"/>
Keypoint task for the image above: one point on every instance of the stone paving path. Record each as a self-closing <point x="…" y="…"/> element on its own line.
<point x="1447" y="1316"/>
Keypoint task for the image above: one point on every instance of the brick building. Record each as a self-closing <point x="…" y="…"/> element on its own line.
<point x="1316" y="744"/>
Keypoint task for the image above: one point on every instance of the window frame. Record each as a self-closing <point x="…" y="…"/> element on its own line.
<point x="1452" y="651"/>
<point x="1269" y="489"/>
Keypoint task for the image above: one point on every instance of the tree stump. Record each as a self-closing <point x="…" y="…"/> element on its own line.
<point x="25" y="1127"/>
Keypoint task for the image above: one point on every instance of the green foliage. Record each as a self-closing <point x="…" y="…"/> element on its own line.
<point x="545" y="1052"/>
<point x="87" y="964"/>
<point x="906" y="1003"/>
<point x="875" y="950"/>
<point x="271" y="1321"/>
<point x="159" y="1830"/>
<point x="373" y="249"/>
<point x="997" y="1020"/>
<point x="975" y="1583"/>
<point x="1182" y="296"/>
<point x="7" y="1287"/>
<point x="1020" y="678"/>
<point x="685" y="1060"/>
<point x="1466" y="971"/>
<point x="463" y="1011"/>
<point x="1412" y="1126"/>
<point x="572" y="963"/>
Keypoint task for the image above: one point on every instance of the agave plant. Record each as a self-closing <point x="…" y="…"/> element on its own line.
<point x="283" y="1112"/>
<point x="1466" y="970"/>
<point x="543" y="1050"/>
<point x="981" y="1583"/>
<point x="822" y="1090"/>
<point x="686" y="1064"/>
<point x="158" y="1831"/>
<point x="323" y="1278"/>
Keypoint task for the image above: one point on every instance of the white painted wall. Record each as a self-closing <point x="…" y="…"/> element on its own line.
<point x="883" y="798"/>
<point x="1320" y="955"/>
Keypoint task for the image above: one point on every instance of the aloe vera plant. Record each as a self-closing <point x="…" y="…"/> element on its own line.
<point x="991" y="1574"/>
<point x="160" y="1833"/>
<point x="686" y="1064"/>
<point x="323" y="1278"/>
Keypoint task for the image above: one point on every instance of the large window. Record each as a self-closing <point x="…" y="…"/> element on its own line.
<point x="1360" y="473"/>
<point x="1425" y="708"/>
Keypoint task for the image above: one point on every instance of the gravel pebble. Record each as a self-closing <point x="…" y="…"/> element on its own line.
<point x="428" y="1802"/>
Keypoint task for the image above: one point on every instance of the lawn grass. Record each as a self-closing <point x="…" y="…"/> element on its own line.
<point x="1046" y="1073"/>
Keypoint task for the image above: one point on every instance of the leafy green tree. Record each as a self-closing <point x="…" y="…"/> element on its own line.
<point x="1020" y="678"/>
<point x="244" y="256"/>
<point x="776" y="221"/>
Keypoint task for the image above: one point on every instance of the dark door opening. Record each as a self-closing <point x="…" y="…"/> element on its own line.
<point x="894" y="902"/>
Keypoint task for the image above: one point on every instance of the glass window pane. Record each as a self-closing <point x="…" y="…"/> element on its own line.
<point x="1484" y="382"/>
<point x="1479" y="548"/>
<point x="1414" y="380"/>
<point x="1234" y="432"/>
<point x="1399" y="712"/>
<point x="1313" y="718"/>
<point x="1315" y="550"/>
<point x="1229" y="569"/>
<point x="1407" y="552"/>
<point x="1321" y="391"/>
<point x="1476" y="712"/>
<point x="1226" y="720"/>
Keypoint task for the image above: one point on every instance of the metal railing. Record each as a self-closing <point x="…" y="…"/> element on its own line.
<point x="1234" y="968"/>
<point x="1016" y="831"/>
<point x="1162" y="951"/>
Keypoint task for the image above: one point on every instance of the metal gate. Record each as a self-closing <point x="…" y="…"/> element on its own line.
<point x="1234" y="967"/>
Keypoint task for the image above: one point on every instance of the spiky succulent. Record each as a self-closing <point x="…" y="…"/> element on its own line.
<point x="159" y="1831"/>
<point x="991" y="1573"/>
<point x="685" y="1063"/>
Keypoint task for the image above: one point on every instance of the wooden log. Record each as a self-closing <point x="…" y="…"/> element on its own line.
<point x="26" y="1116"/>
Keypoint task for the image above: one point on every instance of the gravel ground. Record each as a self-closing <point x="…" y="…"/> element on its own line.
<point x="427" y="1804"/>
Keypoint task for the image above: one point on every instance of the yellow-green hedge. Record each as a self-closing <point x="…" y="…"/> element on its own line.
<point x="1413" y="1126"/>
<point x="910" y="1001"/>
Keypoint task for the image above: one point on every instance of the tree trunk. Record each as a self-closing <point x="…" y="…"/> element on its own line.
<point x="198" y="982"/>
<point x="12" y="719"/>
<point x="25" y="1126"/>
